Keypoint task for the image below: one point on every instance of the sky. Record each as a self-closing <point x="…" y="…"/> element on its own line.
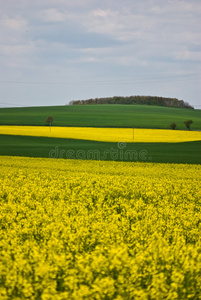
<point x="55" y="51"/>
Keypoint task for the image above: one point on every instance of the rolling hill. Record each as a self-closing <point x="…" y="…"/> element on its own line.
<point x="125" y="116"/>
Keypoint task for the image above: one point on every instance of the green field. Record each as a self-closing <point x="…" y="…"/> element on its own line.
<point x="124" y="116"/>
<point x="138" y="116"/>
<point x="188" y="152"/>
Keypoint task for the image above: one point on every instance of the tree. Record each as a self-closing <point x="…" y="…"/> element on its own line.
<point x="49" y="120"/>
<point x="188" y="124"/>
<point x="173" y="126"/>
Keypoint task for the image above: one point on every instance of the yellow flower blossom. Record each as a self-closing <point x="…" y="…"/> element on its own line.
<point x="73" y="229"/>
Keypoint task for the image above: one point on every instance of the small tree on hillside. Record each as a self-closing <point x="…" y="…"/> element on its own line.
<point x="173" y="126"/>
<point x="49" y="120"/>
<point x="188" y="124"/>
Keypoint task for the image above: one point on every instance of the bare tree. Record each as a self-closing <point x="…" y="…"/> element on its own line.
<point x="49" y="120"/>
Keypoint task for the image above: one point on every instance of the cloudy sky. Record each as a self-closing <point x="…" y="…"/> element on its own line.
<point x="55" y="51"/>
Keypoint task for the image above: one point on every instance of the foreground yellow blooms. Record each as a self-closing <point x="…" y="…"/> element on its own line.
<point x="106" y="134"/>
<point x="75" y="230"/>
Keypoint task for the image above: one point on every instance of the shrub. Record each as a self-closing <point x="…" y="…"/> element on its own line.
<point x="188" y="124"/>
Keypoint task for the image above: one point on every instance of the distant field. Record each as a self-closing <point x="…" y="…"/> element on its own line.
<point x="167" y="146"/>
<point x="188" y="152"/>
<point x="129" y="116"/>
<point x="128" y="135"/>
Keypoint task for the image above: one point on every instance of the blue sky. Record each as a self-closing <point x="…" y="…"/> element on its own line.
<point x="55" y="51"/>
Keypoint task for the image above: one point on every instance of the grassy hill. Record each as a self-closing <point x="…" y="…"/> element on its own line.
<point x="137" y="116"/>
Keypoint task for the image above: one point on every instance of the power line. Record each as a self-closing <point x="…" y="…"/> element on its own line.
<point x="173" y="78"/>
<point x="11" y="104"/>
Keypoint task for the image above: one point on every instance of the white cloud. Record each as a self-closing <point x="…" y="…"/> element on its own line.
<point x="53" y="15"/>
<point x="171" y="7"/>
<point x="15" y="24"/>
<point x="15" y="50"/>
<point x="188" y="55"/>
<point x="101" y="13"/>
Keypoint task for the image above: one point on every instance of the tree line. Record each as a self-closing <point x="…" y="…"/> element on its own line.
<point x="135" y="100"/>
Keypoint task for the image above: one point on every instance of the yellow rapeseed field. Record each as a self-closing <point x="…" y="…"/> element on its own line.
<point x="106" y="134"/>
<point x="72" y="229"/>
